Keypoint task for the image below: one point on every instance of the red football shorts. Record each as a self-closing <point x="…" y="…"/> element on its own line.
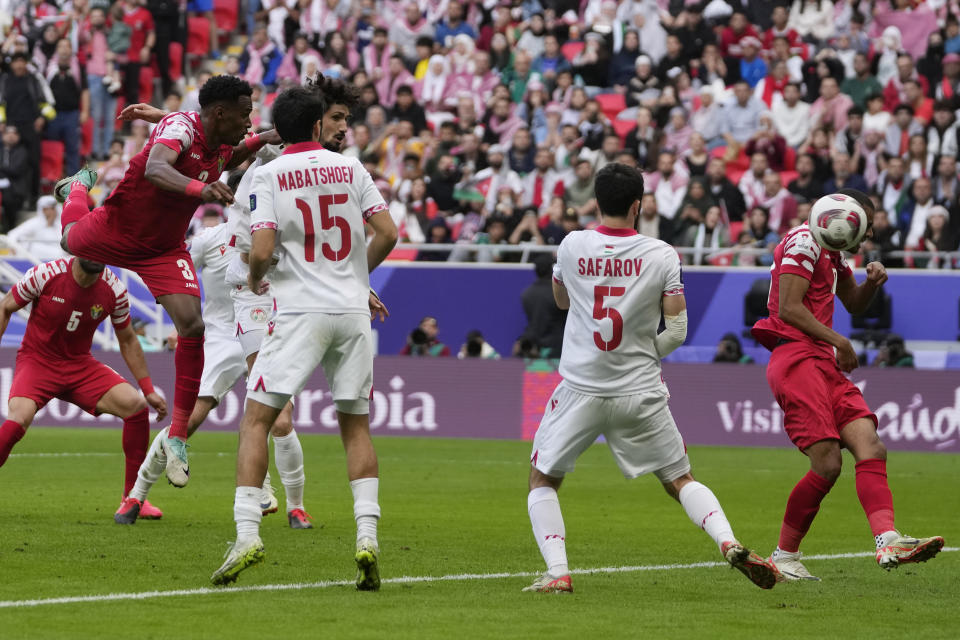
<point x="818" y="401"/>
<point x="82" y="381"/>
<point x="164" y="274"/>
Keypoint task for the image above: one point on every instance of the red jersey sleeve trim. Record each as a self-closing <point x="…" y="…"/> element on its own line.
<point x="123" y="324"/>
<point x="375" y="209"/>
<point x="175" y="145"/>
<point x="263" y="225"/>
<point x="15" y="292"/>
<point x="678" y="291"/>
<point x="795" y="268"/>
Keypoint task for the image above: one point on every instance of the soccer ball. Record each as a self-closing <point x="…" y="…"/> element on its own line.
<point x="838" y="222"/>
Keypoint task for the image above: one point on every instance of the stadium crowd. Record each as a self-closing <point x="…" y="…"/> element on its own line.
<point x="485" y="122"/>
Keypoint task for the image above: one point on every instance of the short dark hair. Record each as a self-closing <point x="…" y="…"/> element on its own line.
<point x="405" y="90"/>
<point x="223" y="89"/>
<point x="617" y="187"/>
<point x="943" y="105"/>
<point x="333" y="91"/>
<point x="380" y="31"/>
<point x="424" y="41"/>
<point x="862" y="199"/>
<point x="295" y="112"/>
<point x="19" y="55"/>
<point x="903" y="107"/>
<point x="854" y="111"/>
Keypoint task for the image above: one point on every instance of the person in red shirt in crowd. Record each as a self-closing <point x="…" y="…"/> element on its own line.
<point x="823" y="410"/>
<point x="895" y="91"/>
<point x="731" y="35"/>
<point x="142" y="39"/>
<point x="70" y="299"/>
<point x="142" y="224"/>
<point x="781" y="30"/>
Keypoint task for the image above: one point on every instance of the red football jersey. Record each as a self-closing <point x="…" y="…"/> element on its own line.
<point x="64" y="314"/>
<point x="143" y="220"/>
<point x="799" y="254"/>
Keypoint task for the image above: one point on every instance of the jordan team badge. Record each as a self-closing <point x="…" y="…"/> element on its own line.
<point x="96" y="311"/>
<point x="220" y="162"/>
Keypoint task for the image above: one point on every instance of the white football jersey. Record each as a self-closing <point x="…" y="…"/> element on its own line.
<point x="317" y="201"/>
<point x="615" y="279"/>
<point x="211" y="253"/>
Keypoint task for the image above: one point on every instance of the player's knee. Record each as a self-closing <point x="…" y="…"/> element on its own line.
<point x="133" y="405"/>
<point x="191" y="327"/>
<point x="878" y="450"/>
<point x="829" y="469"/>
<point x="283" y="426"/>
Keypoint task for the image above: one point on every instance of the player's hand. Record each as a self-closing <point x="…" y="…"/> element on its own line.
<point x="377" y="308"/>
<point x="876" y="274"/>
<point x="141" y="111"/>
<point x="159" y="405"/>
<point x="217" y="192"/>
<point x="271" y="137"/>
<point x="259" y="287"/>
<point x="847" y="358"/>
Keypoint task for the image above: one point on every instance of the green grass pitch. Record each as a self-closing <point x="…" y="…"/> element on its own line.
<point x="456" y="507"/>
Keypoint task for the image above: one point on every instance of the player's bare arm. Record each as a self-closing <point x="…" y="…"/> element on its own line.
<point x="8" y="307"/>
<point x="132" y="354"/>
<point x="142" y="111"/>
<point x="560" y="295"/>
<point x="856" y="298"/>
<point x="793" y="288"/>
<point x="247" y="149"/>
<point x="675" y="324"/>
<point x="263" y="242"/>
<point x="384" y="240"/>
<point x="160" y="172"/>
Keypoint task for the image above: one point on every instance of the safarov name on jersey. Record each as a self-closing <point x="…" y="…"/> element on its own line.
<point x="609" y="267"/>
<point x="313" y="176"/>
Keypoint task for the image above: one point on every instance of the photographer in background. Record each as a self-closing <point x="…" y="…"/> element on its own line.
<point x="477" y="347"/>
<point x="729" y="349"/>
<point x="893" y="353"/>
<point x="422" y="341"/>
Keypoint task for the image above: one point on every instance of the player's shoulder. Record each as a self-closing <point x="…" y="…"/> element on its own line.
<point x="48" y="270"/>
<point x="115" y="284"/>
<point x="801" y="240"/>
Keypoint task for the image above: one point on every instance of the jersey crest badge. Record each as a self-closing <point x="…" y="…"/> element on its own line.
<point x="96" y="311"/>
<point x="258" y="315"/>
<point x="220" y="162"/>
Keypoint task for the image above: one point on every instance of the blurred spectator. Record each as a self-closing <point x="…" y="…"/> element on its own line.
<point x="591" y="63"/>
<point x="876" y="118"/>
<point x="672" y="63"/>
<point x="522" y="152"/>
<point x="922" y="105"/>
<point x="805" y="186"/>
<point x="762" y="236"/>
<point x="437" y="233"/>
<point x="668" y="183"/>
<point x="753" y="69"/>
<point x="751" y="182"/>
<point x="863" y="83"/>
<point x="476" y="347"/>
<point x="15" y="172"/>
<point x="947" y="87"/>
<point x="884" y="239"/>
<point x="453" y="25"/>
<point x="623" y="63"/>
<point x="142" y="39"/>
<point x="942" y="133"/>
<point x="917" y="159"/>
<point x="946" y="181"/>
<point x="767" y="141"/>
<point x="697" y="156"/>
<point x="741" y="117"/>
<point x="677" y="133"/>
<point x="642" y="139"/>
<point x="731" y="35"/>
<point x="893" y="187"/>
<point x="494" y="235"/>
<point x="895" y="91"/>
<point x="405" y="109"/>
<point x="778" y="201"/>
<point x="710" y="234"/>
<point x="729" y="349"/>
<point x="405" y="31"/>
<point x="40" y="235"/>
<point x="652" y="223"/>
<point x="893" y="353"/>
<point x="495" y="177"/>
<point x="140" y="328"/>
<point x="422" y="341"/>
<point x="261" y="59"/>
<point x="812" y="19"/>
<point x="643" y="88"/>
<point x="68" y="83"/>
<point x="551" y="62"/>
<point x="579" y="190"/>
<point x="545" y="321"/>
<point x="102" y="80"/>
<point x="543" y="183"/>
<point x="770" y="89"/>
<point x="291" y="67"/>
<point x="844" y="176"/>
<point x="25" y="99"/>
<point x="561" y="221"/>
<point x="166" y="22"/>
<point x="937" y="236"/>
<point x="724" y="191"/>
<point x="912" y="218"/>
<point x="707" y="120"/>
<point x="831" y="108"/>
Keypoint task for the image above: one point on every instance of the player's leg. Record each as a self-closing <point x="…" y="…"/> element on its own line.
<point x="252" y="458"/>
<point x="288" y="456"/>
<point x="363" y="471"/>
<point x="546" y="520"/>
<point x="72" y="193"/>
<point x="20" y="412"/>
<point x="127" y="403"/>
<point x="184" y="310"/>
<point x="893" y="549"/>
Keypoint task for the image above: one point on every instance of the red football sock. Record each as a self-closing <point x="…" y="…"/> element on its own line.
<point x="10" y="434"/>
<point x="802" y="506"/>
<point x="874" y="494"/>
<point x="189" y="363"/>
<point x="76" y="205"/>
<point x="136" y="435"/>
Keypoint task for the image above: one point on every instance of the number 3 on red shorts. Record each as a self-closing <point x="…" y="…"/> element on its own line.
<point x="185" y="269"/>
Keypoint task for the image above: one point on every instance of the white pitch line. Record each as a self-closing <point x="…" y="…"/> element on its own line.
<point x="325" y="584"/>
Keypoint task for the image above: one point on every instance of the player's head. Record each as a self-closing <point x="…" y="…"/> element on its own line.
<point x="339" y="99"/>
<point x="864" y="201"/>
<point x="619" y="189"/>
<point x="227" y="100"/>
<point x="91" y="267"/>
<point x="296" y="114"/>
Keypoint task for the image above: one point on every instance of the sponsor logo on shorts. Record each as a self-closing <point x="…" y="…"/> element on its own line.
<point x="191" y="285"/>
<point x="96" y="311"/>
<point x="258" y="315"/>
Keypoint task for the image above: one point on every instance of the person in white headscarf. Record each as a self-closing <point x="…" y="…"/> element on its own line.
<point x="432" y="89"/>
<point x="890" y="45"/>
<point x="644" y="16"/>
<point x="40" y="235"/>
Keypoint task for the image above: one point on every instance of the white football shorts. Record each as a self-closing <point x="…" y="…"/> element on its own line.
<point x="252" y="320"/>
<point x="639" y="429"/>
<point x="297" y="343"/>
<point x="223" y="365"/>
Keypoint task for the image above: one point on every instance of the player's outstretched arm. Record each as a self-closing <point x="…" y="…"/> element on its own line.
<point x="160" y="172"/>
<point x="132" y="354"/>
<point x="142" y="111"/>
<point x="856" y="298"/>
<point x="384" y="240"/>
<point x="8" y="307"/>
<point x="793" y="288"/>
<point x="249" y="147"/>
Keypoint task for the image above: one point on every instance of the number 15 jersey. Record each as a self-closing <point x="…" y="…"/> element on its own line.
<point x="318" y="202"/>
<point x="615" y="279"/>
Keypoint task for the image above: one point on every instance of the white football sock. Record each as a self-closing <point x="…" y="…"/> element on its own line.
<point x="267" y="487"/>
<point x="704" y="510"/>
<point x="882" y="540"/>
<point x="247" y="513"/>
<point x="543" y="505"/>
<point x="366" y="509"/>
<point x="288" y="454"/>
<point x="153" y="466"/>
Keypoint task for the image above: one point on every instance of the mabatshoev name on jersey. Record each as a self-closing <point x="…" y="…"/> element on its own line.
<point x="312" y="176"/>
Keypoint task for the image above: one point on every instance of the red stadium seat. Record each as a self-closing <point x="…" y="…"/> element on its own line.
<point x="86" y="138"/>
<point x="146" y="84"/>
<point x="51" y="162"/>
<point x="571" y="49"/>
<point x="269" y="98"/>
<point x="735" y="229"/>
<point x="786" y="177"/>
<point x="790" y="159"/>
<point x="623" y="127"/>
<point x="176" y="61"/>
<point x="225" y="12"/>
<point x="611" y="104"/>
<point x="198" y="36"/>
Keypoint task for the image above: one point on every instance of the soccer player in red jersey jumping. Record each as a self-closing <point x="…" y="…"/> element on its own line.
<point x="70" y="299"/>
<point x="142" y="224"/>
<point x="823" y="410"/>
